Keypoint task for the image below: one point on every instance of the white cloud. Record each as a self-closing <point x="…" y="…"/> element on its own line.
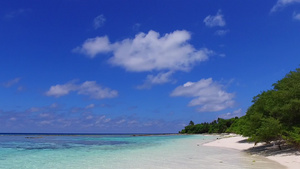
<point x="107" y="120"/>
<point x="95" y="91"/>
<point x="216" y="20"/>
<point x="236" y="113"/>
<point x="61" y="90"/>
<point x="208" y="95"/>
<point x="221" y="32"/>
<point x="160" y="78"/>
<point x="283" y="3"/>
<point x="90" y="106"/>
<point x="99" y="21"/>
<point x="93" y="46"/>
<point x="296" y="16"/>
<point x="89" y="88"/>
<point x="187" y="84"/>
<point x="148" y="52"/>
<point x="120" y="121"/>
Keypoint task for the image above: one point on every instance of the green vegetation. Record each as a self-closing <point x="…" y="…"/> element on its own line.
<point x="273" y="116"/>
<point x="217" y="126"/>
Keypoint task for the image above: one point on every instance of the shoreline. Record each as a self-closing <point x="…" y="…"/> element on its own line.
<point x="288" y="156"/>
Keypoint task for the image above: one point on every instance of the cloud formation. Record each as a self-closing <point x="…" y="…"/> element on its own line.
<point x="283" y="3"/>
<point x="235" y="113"/>
<point x="216" y="20"/>
<point x="99" y="21"/>
<point x="93" y="46"/>
<point x="148" y="52"/>
<point x="160" y="78"/>
<point x="208" y="95"/>
<point x="88" y="88"/>
<point x="90" y="106"/>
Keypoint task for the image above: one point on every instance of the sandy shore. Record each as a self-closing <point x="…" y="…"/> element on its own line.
<point x="288" y="156"/>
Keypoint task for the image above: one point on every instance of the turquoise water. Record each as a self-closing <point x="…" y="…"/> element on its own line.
<point x="120" y="152"/>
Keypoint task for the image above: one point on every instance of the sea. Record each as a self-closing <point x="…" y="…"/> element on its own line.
<point x="121" y="151"/>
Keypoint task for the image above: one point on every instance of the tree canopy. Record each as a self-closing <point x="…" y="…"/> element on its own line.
<point x="217" y="126"/>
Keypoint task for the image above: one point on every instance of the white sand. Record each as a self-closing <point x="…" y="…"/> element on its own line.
<point x="231" y="142"/>
<point x="291" y="159"/>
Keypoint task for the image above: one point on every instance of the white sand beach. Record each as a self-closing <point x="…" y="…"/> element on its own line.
<point x="288" y="157"/>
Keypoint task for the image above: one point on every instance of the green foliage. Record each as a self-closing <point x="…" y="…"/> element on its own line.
<point x="217" y="126"/>
<point x="293" y="136"/>
<point x="274" y="114"/>
<point x="269" y="130"/>
<point x="252" y="122"/>
<point x="236" y="126"/>
<point x="191" y="123"/>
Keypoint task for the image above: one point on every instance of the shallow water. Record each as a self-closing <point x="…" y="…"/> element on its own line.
<point x="122" y="152"/>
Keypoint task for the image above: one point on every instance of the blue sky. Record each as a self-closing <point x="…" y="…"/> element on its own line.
<point x="139" y="66"/>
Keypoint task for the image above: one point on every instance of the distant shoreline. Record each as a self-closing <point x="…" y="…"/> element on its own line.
<point x="288" y="156"/>
<point x="84" y="134"/>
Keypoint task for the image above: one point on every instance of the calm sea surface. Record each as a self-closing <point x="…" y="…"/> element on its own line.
<point x="120" y="152"/>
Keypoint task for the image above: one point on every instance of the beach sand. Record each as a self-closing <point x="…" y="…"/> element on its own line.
<point x="288" y="156"/>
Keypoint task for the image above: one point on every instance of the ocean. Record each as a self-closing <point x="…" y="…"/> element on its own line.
<point x="46" y="151"/>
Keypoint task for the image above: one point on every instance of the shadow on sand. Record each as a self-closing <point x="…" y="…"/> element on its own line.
<point x="271" y="150"/>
